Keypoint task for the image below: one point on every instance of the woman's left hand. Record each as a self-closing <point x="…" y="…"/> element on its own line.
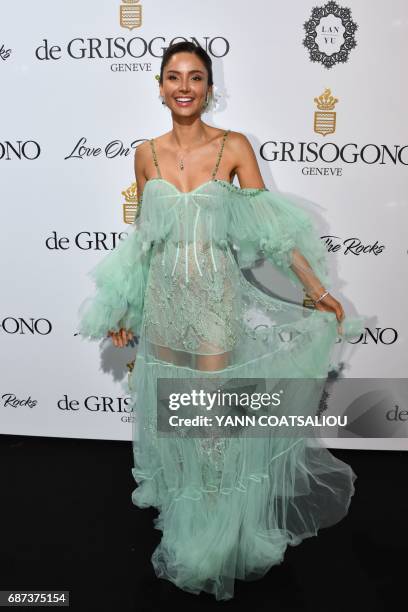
<point x="330" y="304"/>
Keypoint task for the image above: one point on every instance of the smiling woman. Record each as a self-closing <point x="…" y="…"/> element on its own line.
<point x="229" y="505"/>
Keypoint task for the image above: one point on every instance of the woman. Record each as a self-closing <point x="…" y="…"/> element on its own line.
<point x="229" y="503"/>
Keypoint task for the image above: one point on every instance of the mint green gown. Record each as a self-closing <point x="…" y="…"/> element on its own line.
<point x="227" y="507"/>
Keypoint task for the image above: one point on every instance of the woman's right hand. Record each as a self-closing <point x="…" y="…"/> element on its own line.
<point x="121" y="338"/>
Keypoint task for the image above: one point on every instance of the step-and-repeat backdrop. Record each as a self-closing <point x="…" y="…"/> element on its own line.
<point x="320" y="91"/>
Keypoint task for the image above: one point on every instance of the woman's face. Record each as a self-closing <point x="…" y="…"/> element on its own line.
<point x="185" y="84"/>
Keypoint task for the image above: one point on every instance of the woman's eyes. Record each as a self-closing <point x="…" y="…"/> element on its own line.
<point x="173" y="76"/>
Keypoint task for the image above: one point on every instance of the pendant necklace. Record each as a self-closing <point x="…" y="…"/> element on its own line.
<point x="181" y="160"/>
<point x="181" y="163"/>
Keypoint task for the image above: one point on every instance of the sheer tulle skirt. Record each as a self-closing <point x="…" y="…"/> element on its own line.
<point x="229" y="507"/>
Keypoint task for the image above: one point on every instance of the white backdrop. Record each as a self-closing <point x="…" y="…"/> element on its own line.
<point x="82" y="73"/>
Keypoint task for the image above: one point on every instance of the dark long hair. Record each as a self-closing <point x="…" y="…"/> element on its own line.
<point x="190" y="47"/>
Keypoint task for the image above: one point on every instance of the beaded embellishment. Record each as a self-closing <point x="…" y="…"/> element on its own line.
<point x="246" y="190"/>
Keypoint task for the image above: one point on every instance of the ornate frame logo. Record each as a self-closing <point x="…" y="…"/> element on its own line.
<point x="330" y="34"/>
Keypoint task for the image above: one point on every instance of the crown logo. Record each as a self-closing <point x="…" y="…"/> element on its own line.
<point x="326" y="101"/>
<point x="324" y="118"/>
<point x="130" y="14"/>
<point x="131" y="205"/>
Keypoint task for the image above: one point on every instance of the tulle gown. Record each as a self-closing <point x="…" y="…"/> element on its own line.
<point x="228" y="506"/>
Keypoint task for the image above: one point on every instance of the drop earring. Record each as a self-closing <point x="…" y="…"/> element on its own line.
<point x="205" y="105"/>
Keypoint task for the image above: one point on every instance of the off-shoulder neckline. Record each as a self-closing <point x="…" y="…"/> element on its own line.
<point x="219" y="181"/>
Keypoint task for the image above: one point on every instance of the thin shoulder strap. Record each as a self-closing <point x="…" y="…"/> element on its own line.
<point x="155" y="157"/>
<point x="220" y="154"/>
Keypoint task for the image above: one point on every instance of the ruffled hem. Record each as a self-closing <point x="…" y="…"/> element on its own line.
<point x="213" y="537"/>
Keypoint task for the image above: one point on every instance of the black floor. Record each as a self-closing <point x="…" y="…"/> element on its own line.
<point x="67" y="522"/>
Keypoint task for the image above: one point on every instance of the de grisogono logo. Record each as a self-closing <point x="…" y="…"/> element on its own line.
<point x="331" y="154"/>
<point x="330" y="34"/>
<point x="136" y="48"/>
<point x="121" y="48"/>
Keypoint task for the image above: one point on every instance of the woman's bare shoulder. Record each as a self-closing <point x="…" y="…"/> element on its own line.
<point x="243" y="158"/>
<point x="239" y="148"/>
<point x="140" y="156"/>
<point x="239" y="140"/>
<point x="143" y="151"/>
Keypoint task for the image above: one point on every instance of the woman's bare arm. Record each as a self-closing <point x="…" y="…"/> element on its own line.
<point x="249" y="175"/>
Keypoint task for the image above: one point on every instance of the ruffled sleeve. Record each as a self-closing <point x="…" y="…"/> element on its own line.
<point x="120" y="281"/>
<point x="267" y="225"/>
